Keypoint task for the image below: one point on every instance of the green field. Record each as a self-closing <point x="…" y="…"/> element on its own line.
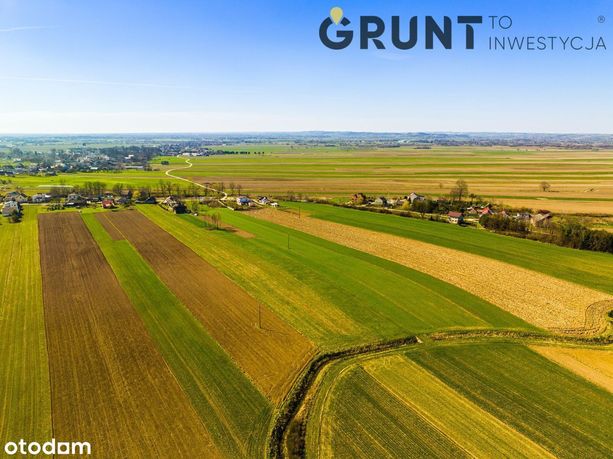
<point x="234" y="412"/>
<point x="480" y="400"/>
<point x="591" y="269"/>
<point x="370" y="298"/>
<point x="24" y="371"/>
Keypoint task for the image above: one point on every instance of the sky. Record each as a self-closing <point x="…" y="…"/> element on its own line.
<point x="75" y="66"/>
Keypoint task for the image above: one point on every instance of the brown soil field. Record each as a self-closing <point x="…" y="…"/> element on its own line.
<point x="542" y="300"/>
<point x="271" y="355"/>
<point x="109" y="384"/>
<point x="593" y="364"/>
<point x="109" y="227"/>
<point x="563" y="207"/>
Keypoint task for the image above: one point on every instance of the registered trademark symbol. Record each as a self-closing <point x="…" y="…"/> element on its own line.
<point x="601" y="19"/>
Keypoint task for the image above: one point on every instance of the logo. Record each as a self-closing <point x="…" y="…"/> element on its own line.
<point x="373" y="28"/>
<point x="337" y="32"/>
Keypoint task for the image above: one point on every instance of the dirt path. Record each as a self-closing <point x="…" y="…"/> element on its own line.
<point x="221" y="200"/>
<point x="542" y="300"/>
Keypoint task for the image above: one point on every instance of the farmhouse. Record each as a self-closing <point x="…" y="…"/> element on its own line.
<point x="108" y="204"/>
<point x="174" y="204"/>
<point x="40" y="198"/>
<point x="380" y="201"/>
<point x="10" y="208"/>
<point x="75" y="200"/>
<point x="263" y="200"/>
<point x="16" y="196"/>
<point x="415" y="197"/>
<point x="455" y="217"/>
<point x="242" y="200"/>
<point x="541" y="219"/>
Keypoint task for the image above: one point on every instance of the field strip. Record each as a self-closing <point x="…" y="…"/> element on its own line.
<point x="110" y="386"/>
<point x="232" y="409"/>
<point x="594" y="365"/>
<point x="482" y="434"/>
<point x="265" y="347"/>
<point x="25" y="399"/>
<point x="542" y="300"/>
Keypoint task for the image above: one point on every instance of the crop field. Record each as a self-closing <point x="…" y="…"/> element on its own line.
<point x="591" y="269"/>
<point x="465" y="400"/>
<point x="265" y="347"/>
<point x="109" y="384"/>
<point x="539" y="299"/>
<point x="593" y="364"/>
<point x="233" y="411"/>
<point x="24" y="372"/>
<point x="383" y="299"/>
<point x="581" y="181"/>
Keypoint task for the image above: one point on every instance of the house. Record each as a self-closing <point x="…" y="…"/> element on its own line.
<point x="263" y="200"/>
<point x="486" y="211"/>
<point x="40" y="198"/>
<point x="455" y="217"/>
<point x="173" y="204"/>
<point x="16" y="196"/>
<point x="541" y="219"/>
<point x="523" y="216"/>
<point x="10" y="208"/>
<point x="149" y="200"/>
<point x="359" y="198"/>
<point x="415" y="197"/>
<point x="380" y="201"/>
<point x="108" y="204"/>
<point x="75" y="200"/>
<point x="242" y="200"/>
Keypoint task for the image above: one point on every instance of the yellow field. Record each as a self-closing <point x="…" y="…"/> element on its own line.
<point x="542" y="300"/>
<point x="593" y="365"/>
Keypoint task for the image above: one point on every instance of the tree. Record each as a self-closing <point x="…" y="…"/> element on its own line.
<point x="545" y="186"/>
<point x="194" y="207"/>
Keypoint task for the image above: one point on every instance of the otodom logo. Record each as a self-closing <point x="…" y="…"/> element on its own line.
<point x="372" y="29"/>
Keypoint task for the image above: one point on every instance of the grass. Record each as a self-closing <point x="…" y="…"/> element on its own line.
<point x="376" y="298"/>
<point x="25" y="402"/>
<point x="592" y="269"/>
<point x="548" y="404"/>
<point x="233" y="411"/>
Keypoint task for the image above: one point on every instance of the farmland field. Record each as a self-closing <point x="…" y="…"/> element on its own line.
<point x="109" y="384"/>
<point x="233" y="411"/>
<point x="24" y="372"/>
<point x="460" y="400"/>
<point x="383" y="299"/>
<point x="581" y="181"/>
<point x="265" y="347"/>
<point x="539" y="299"/>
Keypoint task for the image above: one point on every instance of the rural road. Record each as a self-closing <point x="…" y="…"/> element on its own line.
<point x="221" y="200"/>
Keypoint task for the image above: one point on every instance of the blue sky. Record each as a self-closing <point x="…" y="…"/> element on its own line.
<point x="191" y="66"/>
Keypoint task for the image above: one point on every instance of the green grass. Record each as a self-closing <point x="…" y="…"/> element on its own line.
<point x="550" y="405"/>
<point x="379" y="298"/>
<point x="25" y="401"/>
<point x="234" y="412"/>
<point x="591" y="269"/>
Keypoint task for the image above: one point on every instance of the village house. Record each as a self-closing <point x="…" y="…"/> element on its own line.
<point x="541" y="219"/>
<point x="10" y="208"/>
<point x="242" y="200"/>
<point x="415" y="197"/>
<point x="75" y="200"/>
<point x="108" y="204"/>
<point x="16" y="196"/>
<point x="263" y="200"/>
<point x="455" y="217"/>
<point x="174" y="205"/>
<point x="381" y="201"/>
<point x="40" y="198"/>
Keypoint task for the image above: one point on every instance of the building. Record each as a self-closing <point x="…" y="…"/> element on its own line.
<point x="541" y="219"/>
<point x="41" y="198"/>
<point x="381" y="201"/>
<point x="16" y="196"/>
<point x="415" y="197"/>
<point x="455" y="217"/>
<point x="108" y="204"/>
<point x="174" y="205"/>
<point x="75" y="200"/>
<point x="10" y="208"/>
<point x="242" y="200"/>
